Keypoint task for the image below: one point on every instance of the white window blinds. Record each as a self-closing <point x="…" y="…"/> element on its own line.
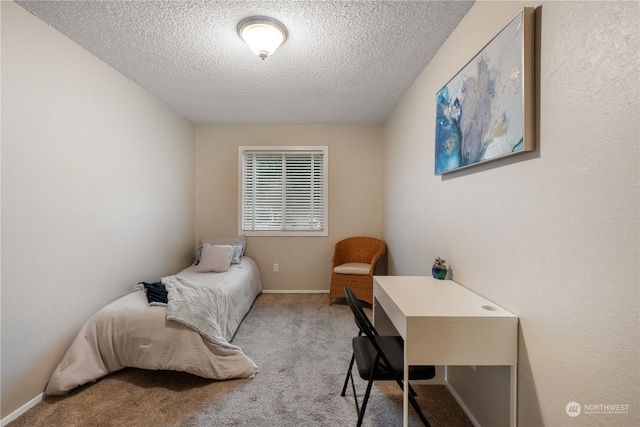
<point x="283" y="190"/>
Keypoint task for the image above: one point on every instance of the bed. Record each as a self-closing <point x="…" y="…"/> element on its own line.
<point x="130" y="332"/>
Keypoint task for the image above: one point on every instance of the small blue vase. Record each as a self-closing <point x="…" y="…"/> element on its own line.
<point x="439" y="273"/>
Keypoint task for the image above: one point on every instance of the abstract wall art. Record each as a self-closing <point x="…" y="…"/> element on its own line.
<point x="487" y="110"/>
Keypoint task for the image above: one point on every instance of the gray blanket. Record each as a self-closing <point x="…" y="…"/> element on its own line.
<point x="203" y="309"/>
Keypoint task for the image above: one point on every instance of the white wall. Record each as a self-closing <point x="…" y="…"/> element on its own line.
<point x="354" y="196"/>
<point x="97" y="194"/>
<point x="552" y="236"/>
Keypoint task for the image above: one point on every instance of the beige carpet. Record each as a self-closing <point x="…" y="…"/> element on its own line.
<point x="302" y="347"/>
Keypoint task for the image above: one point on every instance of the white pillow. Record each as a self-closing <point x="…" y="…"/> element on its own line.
<point x="223" y="240"/>
<point x="237" y="256"/>
<point x="226" y="240"/>
<point x="215" y="258"/>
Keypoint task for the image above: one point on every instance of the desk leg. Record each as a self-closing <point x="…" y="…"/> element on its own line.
<point x="514" y="396"/>
<point x="405" y="393"/>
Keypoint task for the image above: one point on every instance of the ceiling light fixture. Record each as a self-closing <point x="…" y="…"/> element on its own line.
<point x="263" y="34"/>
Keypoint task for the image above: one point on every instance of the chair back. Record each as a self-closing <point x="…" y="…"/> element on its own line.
<point x="358" y="249"/>
<point x="367" y="328"/>
<point x="362" y="321"/>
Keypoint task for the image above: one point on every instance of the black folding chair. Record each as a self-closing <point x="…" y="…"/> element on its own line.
<point x="379" y="358"/>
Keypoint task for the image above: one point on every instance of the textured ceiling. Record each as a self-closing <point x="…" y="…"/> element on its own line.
<point x="345" y="62"/>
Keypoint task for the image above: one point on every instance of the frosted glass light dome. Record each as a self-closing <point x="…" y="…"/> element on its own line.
<point x="263" y="34"/>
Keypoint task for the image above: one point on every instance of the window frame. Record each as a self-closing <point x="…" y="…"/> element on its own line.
<point x="325" y="190"/>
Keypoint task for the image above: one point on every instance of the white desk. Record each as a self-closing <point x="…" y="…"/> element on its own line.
<point x="443" y="323"/>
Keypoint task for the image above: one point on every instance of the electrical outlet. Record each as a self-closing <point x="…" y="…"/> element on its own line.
<point x="276" y="268"/>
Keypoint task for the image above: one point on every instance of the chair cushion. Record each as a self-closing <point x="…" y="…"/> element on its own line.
<point x="354" y="268"/>
<point x="393" y="348"/>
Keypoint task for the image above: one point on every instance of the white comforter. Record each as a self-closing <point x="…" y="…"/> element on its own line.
<point x="131" y="333"/>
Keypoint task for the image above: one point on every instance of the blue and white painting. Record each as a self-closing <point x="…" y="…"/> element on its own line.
<point x="479" y="113"/>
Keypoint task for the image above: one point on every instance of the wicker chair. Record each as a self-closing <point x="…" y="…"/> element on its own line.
<point x="354" y="262"/>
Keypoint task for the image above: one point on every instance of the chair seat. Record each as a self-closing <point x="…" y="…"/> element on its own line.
<point x="354" y="268"/>
<point x="393" y="348"/>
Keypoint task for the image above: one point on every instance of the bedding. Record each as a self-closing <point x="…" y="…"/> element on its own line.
<point x="131" y="333"/>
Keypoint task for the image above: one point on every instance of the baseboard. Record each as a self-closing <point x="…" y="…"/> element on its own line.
<point x="21" y="410"/>
<point x="458" y="399"/>
<point x="281" y="291"/>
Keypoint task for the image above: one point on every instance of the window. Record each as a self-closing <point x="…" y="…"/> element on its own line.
<point x="283" y="191"/>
